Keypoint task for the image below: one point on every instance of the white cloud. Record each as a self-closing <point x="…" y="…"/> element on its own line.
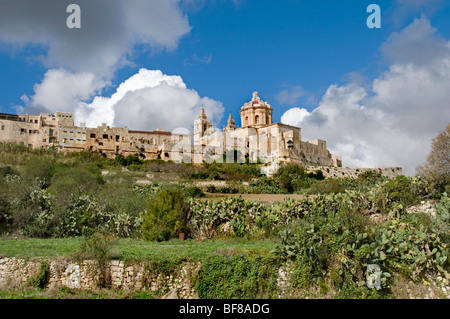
<point x="149" y="100"/>
<point x="294" y="116"/>
<point x="393" y="122"/>
<point x="61" y="90"/>
<point x="109" y="30"/>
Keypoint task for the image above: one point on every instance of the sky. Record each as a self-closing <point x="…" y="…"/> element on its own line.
<point x="376" y="95"/>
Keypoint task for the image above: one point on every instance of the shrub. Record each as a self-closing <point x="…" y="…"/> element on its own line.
<point x="6" y="170"/>
<point x="163" y="212"/>
<point x="73" y="181"/>
<point x="40" y="168"/>
<point x="370" y="175"/>
<point x="291" y="168"/>
<point x="193" y="192"/>
<point x="396" y="193"/>
<point x="329" y="186"/>
<point x="132" y="159"/>
<point x="41" y="278"/>
<point x="222" y="190"/>
<point x="237" y="276"/>
<point x="264" y="185"/>
<point x="436" y="171"/>
<point x="98" y="247"/>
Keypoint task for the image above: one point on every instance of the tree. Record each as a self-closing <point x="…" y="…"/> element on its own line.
<point x="166" y="214"/>
<point x="436" y="170"/>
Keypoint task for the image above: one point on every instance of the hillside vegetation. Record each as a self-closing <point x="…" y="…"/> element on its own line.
<point x="328" y="236"/>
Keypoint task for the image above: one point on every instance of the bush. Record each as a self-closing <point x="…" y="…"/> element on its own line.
<point x="166" y="214"/>
<point x="41" y="278"/>
<point x="329" y="186"/>
<point x="70" y="182"/>
<point x="40" y="168"/>
<point x="264" y="185"/>
<point x="436" y="171"/>
<point x="294" y="178"/>
<point x="237" y="276"/>
<point x="97" y="246"/>
<point x="395" y="192"/>
<point x="6" y="170"/>
<point x="193" y="192"/>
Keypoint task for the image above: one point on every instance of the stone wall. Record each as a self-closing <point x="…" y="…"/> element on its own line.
<point x="87" y="275"/>
<point x="342" y="172"/>
<point x="14" y="273"/>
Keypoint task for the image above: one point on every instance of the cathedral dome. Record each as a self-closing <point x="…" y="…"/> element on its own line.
<point x="256" y="113"/>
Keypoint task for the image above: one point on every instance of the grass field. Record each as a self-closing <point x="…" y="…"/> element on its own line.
<point x="135" y="250"/>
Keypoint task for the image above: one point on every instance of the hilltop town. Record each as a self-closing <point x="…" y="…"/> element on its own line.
<point x="258" y="137"/>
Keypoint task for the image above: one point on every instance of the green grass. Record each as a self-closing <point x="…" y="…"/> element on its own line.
<point x="133" y="250"/>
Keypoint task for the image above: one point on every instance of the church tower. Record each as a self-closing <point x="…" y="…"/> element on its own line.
<point x="231" y="126"/>
<point x="256" y="113"/>
<point x="201" y="126"/>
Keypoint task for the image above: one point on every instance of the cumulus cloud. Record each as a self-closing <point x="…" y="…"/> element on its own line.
<point x="419" y="44"/>
<point x="109" y="30"/>
<point x="147" y="101"/>
<point x="391" y="123"/>
<point x="61" y="90"/>
<point x="82" y="61"/>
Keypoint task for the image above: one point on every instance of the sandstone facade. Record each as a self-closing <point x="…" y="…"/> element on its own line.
<point x="261" y="139"/>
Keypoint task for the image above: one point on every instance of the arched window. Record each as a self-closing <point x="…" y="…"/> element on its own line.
<point x="257" y="119"/>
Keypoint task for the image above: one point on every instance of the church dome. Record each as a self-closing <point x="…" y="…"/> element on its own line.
<point x="256" y="113"/>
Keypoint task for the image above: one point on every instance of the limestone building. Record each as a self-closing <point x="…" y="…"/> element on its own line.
<point x="59" y="131"/>
<point x="261" y="139"/>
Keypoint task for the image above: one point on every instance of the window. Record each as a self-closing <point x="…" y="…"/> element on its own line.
<point x="257" y="119"/>
<point x="105" y="136"/>
<point x="22" y="131"/>
<point x="92" y="135"/>
<point x="3" y="127"/>
<point x="117" y="138"/>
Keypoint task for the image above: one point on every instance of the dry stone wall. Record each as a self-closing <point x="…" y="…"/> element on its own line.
<point x="390" y="172"/>
<point x="87" y="275"/>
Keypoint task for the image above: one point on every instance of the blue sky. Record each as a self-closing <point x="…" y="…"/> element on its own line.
<point x="304" y="57"/>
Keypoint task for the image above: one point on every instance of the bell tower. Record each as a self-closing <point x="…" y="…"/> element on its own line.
<point x="201" y="126"/>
